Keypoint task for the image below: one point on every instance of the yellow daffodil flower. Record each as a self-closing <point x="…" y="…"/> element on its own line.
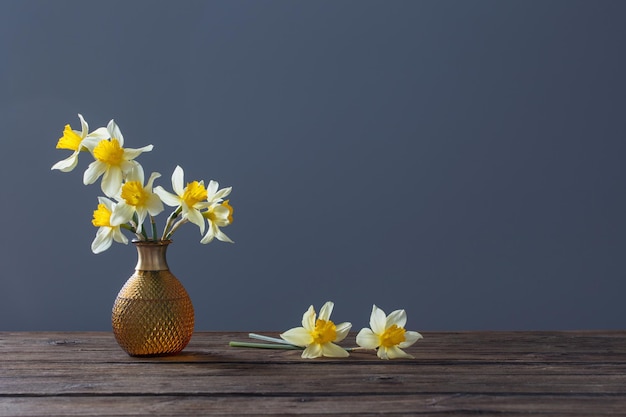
<point x="112" y="161"/>
<point x="108" y="231"/>
<point x="215" y="194"/>
<point x="387" y="334"/>
<point x="318" y="334"/>
<point x="190" y="198"/>
<point x="74" y="140"/>
<point x="137" y="198"/>
<point x="218" y="215"/>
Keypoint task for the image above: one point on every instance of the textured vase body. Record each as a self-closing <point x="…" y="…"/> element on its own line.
<point x="152" y="314"/>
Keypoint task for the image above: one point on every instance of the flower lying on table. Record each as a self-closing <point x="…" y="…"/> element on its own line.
<point x="317" y="335"/>
<point x="128" y="202"/>
<point x="387" y="334"/>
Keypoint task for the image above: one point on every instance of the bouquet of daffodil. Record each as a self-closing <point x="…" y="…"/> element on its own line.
<point x="129" y="202"/>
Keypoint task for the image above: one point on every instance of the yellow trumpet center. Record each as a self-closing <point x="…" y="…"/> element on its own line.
<point x="70" y="139"/>
<point x="109" y="151"/>
<point x="101" y="216"/>
<point x="211" y="215"/>
<point x="134" y="194"/>
<point x="230" y="211"/>
<point x="325" y="331"/>
<point x="392" y="336"/>
<point x="194" y="193"/>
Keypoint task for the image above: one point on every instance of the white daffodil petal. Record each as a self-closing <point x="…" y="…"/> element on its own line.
<point x="378" y="320"/>
<point x="68" y="164"/>
<point x="135" y="173"/>
<point x="115" y="132"/>
<point x="312" y="351"/>
<point x="91" y="141"/>
<point x="220" y="215"/>
<point x="118" y="236"/>
<point x="298" y="336"/>
<point x="196" y="218"/>
<point x="153" y="177"/>
<point x="397" y="317"/>
<point x="224" y="192"/>
<point x="178" y="181"/>
<point x="220" y="211"/>
<point x="131" y="153"/>
<point x="309" y="318"/>
<point x="367" y="339"/>
<point x="168" y="198"/>
<point x="221" y="220"/>
<point x="208" y="238"/>
<point x="219" y="235"/>
<point x="83" y="125"/>
<point x="395" y="352"/>
<point x="410" y="338"/>
<point x="342" y="330"/>
<point x="332" y="350"/>
<point x="112" y="181"/>
<point x="103" y="240"/>
<point x="93" y="172"/>
<point x="99" y="134"/>
<point x="382" y="352"/>
<point x="107" y="203"/>
<point x="326" y="310"/>
<point x="127" y="166"/>
<point x="202" y="205"/>
<point x="122" y="213"/>
<point x="154" y="205"/>
<point x="211" y="189"/>
<point x="141" y="216"/>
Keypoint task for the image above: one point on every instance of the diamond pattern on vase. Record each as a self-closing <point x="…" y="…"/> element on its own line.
<point x="153" y="314"/>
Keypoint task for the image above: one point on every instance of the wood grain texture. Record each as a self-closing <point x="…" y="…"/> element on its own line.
<point x="491" y="373"/>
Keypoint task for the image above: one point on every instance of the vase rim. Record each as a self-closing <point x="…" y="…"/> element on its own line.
<point x="152" y="242"/>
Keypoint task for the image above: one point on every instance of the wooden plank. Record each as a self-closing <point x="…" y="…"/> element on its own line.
<point x="417" y="404"/>
<point x="213" y="347"/>
<point x="549" y="373"/>
<point x="300" y="379"/>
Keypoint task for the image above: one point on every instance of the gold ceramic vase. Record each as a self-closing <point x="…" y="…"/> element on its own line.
<point x="152" y="314"/>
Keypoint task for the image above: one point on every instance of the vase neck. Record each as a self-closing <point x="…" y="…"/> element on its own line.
<point x="151" y="255"/>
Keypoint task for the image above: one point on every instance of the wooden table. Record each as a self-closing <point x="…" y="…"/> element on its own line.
<point x="491" y="373"/>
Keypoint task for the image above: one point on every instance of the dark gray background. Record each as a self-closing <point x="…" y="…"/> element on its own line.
<point x="459" y="159"/>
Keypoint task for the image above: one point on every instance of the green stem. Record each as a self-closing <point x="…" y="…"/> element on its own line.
<point x="280" y="344"/>
<point x="170" y="219"/>
<point x="154" y="228"/>
<point x="143" y="230"/>
<point x="131" y="229"/>
<point x="264" y="345"/>
<point x="128" y="227"/>
<point x="268" y="339"/>
<point x="175" y="227"/>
